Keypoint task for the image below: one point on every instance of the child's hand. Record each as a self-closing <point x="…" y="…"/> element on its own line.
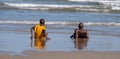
<point x="47" y="38"/>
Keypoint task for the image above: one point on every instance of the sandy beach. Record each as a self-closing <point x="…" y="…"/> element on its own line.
<point x="99" y="47"/>
<point x="101" y="19"/>
<point x="63" y="55"/>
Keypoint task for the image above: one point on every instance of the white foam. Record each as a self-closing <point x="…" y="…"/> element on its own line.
<point x="94" y="0"/>
<point x="106" y="4"/>
<point x="54" y="6"/>
<point x="93" y="10"/>
<point x="60" y="23"/>
<point x="44" y="6"/>
<point x="102" y="23"/>
<point x="39" y="5"/>
<point x="114" y="4"/>
<point x="18" y="22"/>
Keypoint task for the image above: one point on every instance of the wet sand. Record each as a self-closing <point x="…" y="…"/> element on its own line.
<point x="63" y="55"/>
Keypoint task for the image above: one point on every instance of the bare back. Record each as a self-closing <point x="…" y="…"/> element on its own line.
<point x="82" y="33"/>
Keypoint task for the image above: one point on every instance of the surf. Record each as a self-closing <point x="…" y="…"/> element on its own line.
<point x="61" y="23"/>
<point x="100" y="7"/>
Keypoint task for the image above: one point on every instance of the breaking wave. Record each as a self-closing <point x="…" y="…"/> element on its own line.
<point x="97" y="8"/>
<point x="91" y="5"/>
<point x="113" y="4"/>
<point x="61" y="23"/>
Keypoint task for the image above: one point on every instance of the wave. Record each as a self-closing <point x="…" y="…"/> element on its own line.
<point x="58" y="7"/>
<point x="114" y="4"/>
<point x="61" y="23"/>
<point x="28" y="5"/>
<point x="95" y="0"/>
<point x="1" y="3"/>
<point x="92" y="5"/>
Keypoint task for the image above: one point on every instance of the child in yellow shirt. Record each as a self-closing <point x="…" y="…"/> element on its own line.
<point x="39" y="34"/>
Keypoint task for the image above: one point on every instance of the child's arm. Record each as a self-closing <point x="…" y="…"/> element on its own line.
<point x="46" y="36"/>
<point x="31" y="36"/>
<point x="76" y="39"/>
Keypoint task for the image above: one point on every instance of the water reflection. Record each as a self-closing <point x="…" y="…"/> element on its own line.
<point x="81" y="43"/>
<point x="38" y="44"/>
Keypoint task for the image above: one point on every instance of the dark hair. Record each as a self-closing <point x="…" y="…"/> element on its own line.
<point x="42" y="21"/>
<point x="81" y="25"/>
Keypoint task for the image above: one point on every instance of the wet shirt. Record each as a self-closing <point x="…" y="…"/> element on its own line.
<point x="38" y="29"/>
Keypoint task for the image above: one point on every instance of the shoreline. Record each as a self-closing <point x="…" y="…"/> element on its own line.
<point x="63" y="55"/>
<point x="61" y="43"/>
<point x="18" y="40"/>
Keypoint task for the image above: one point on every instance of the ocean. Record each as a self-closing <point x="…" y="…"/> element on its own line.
<point x="100" y="17"/>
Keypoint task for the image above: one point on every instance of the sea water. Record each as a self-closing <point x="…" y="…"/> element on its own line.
<point x="100" y="17"/>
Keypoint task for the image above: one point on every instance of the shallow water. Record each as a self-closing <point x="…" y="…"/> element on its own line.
<point x="16" y="38"/>
<point x="101" y="19"/>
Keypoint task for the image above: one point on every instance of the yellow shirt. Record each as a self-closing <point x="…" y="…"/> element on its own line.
<point x="38" y="30"/>
<point x="39" y="36"/>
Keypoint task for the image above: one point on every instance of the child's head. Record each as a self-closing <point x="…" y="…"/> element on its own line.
<point x="42" y="21"/>
<point x="81" y="25"/>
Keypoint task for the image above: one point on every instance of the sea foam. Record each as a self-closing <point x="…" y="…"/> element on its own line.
<point x="61" y="23"/>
